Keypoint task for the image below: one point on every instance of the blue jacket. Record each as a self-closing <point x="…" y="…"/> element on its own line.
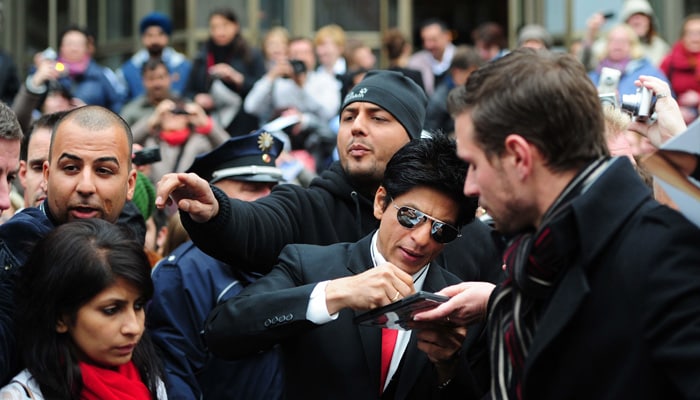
<point x="98" y="85"/>
<point x="130" y="72"/>
<point x="188" y="284"/>
<point x="17" y="236"/>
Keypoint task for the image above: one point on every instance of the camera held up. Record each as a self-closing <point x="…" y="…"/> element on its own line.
<point x="148" y="155"/>
<point x="298" y="68"/>
<point x="640" y="105"/>
<point x="607" y="86"/>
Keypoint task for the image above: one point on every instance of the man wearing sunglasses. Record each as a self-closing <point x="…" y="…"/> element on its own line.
<point x="307" y="303"/>
<point x="381" y="114"/>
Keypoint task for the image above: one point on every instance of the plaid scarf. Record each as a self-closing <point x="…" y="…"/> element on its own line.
<point x="534" y="261"/>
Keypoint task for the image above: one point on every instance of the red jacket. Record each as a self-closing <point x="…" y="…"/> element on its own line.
<point x="682" y="69"/>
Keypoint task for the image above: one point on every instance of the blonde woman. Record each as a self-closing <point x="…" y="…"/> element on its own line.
<point x="624" y="53"/>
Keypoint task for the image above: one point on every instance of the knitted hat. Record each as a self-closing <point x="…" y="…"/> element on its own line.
<point x="397" y="94"/>
<point x="156" y="19"/>
<point x="243" y="158"/>
<point x="535" y="32"/>
<point x="632" y="7"/>
<point x="144" y="195"/>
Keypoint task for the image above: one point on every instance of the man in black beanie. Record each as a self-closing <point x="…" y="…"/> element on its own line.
<point x="390" y="90"/>
<point x="379" y="115"/>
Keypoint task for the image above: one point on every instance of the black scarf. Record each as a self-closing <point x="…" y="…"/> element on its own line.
<point x="534" y="262"/>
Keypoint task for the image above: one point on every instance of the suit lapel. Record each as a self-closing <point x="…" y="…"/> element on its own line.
<point x="360" y="260"/>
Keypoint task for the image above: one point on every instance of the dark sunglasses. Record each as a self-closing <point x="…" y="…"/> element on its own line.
<point x="441" y="232"/>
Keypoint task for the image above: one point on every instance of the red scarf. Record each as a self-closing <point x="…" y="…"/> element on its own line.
<point x="175" y="137"/>
<point x="105" y="384"/>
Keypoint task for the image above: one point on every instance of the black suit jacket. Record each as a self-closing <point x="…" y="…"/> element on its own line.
<point x="339" y="359"/>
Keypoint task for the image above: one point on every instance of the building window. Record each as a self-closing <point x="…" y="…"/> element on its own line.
<point x="359" y="15"/>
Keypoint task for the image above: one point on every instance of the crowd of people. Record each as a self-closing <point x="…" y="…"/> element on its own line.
<point x="212" y="228"/>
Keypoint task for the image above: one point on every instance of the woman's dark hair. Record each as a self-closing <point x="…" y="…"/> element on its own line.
<point x="66" y="269"/>
<point x="394" y="42"/>
<point x="239" y="46"/>
<point x="225" y="12"/>
<point x="76" y="28"/>
<point x="432" y="163"/>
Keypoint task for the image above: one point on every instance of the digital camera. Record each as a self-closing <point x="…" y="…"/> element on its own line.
<point x="180" y="108"/>
<point x="148" y="155"/>
<point x="609" y="80"/>
<point x="608" y="83"/>
<point x="298" y="68"/>
<point x="180" y="111"/>
<point x="51" y="55"/>
<point x="607" y="86"/>
<point x="639" y="105"/>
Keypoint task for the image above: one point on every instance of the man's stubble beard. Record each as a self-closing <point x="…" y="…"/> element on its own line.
<point x="366" y="180"/>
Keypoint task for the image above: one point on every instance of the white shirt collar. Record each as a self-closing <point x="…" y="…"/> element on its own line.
<point x="378" y="259"/>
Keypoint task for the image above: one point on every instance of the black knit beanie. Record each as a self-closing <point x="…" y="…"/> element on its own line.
<point x="397" y="94"/>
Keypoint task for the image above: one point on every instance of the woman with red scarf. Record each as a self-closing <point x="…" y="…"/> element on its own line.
<point x="81" y="318"/>
<point x="224" y="72"/>
<point x="181" y="130"/>
<point x="682" y="67"/>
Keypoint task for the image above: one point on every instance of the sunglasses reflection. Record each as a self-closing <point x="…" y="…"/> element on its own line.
<point x="441" y="232"/>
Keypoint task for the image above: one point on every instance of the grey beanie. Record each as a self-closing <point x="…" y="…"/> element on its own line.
<point x="535" y="32"/>
<point x="397" y="94"/>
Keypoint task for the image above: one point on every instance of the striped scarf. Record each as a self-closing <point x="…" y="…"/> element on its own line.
<point x="534" y="261"/>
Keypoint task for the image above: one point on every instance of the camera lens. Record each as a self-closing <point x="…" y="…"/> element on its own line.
<point x="638" y="104"/>
<point x="298" y="66"/>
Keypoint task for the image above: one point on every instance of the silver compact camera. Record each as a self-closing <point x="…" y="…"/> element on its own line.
<point x="607" y="86"/>
<point x="639" y="105"/>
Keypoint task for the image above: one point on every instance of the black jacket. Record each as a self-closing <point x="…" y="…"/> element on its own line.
<point x="329" y="211"/>
<point x="9" y="78"/>
<point x="252" y="68"/>
<point x="624" y="319"/>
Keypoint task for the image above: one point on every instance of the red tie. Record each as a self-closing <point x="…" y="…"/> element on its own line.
<point x="388" y="343"/>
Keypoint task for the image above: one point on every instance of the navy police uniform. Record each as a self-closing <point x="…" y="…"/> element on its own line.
<point x="189" y="284"/>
